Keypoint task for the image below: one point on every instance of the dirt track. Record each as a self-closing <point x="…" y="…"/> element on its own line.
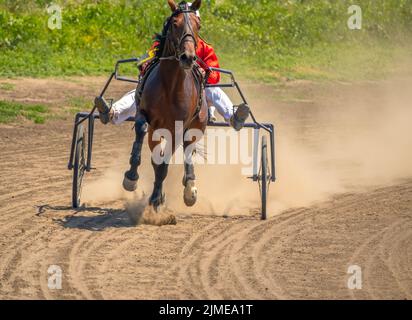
<point x="319" y="226"/>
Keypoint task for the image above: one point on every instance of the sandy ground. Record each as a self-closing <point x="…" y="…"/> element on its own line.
<point x="343" y="197"/>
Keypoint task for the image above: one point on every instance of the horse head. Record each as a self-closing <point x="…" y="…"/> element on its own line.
<point x="183" y="31"/>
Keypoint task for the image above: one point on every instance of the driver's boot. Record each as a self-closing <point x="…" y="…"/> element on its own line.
<point x="105" y="112"/>
<point x="237" y="121"/>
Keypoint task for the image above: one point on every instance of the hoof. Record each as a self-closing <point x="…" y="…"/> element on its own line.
<point x="158" y="201"/>
<point x="190" y="193"/>
<point x="129" y="185"/>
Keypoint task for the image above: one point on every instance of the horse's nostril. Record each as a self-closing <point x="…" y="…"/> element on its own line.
<point x="184" y="57"/>
<point x="186" y="60"/>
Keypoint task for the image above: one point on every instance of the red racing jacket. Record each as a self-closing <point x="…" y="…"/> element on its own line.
<point x="207" y="54"/>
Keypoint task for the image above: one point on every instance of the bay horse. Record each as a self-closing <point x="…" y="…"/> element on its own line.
<point x="172" y="93"/>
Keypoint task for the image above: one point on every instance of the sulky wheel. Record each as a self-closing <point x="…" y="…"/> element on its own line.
<point x="264" y="176"/>
<point x="79" y="166"/>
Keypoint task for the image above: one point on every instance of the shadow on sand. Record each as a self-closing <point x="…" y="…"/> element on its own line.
<point x="105" y="218"/>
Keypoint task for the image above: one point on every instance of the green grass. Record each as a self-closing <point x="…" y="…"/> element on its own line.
<point x="77" y="104"/>
<point x="10" y="111"/>
<point x="260" y="39"/>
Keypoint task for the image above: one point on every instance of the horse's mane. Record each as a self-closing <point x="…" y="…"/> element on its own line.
<point x="162" y="38"/>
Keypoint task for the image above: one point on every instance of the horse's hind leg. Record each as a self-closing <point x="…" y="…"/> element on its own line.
<point x="190" y="191"/>
<point x="131" y="177"/>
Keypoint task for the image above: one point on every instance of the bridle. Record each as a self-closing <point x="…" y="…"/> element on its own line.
<point x="187" y="35"/>
<point x="187" y="32"/>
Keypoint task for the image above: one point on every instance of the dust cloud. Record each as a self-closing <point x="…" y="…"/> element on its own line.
<point x="346" y="139"/>
<point x="333" y="138"/>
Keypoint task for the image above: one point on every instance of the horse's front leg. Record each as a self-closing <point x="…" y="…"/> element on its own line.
<point x="158" y="197"/>
<point x="190" y="191"/>
<point x="131" y="176"/>
<point x="160" y="162"/>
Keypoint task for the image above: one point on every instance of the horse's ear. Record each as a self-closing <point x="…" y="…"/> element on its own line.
<point x="196" y="5"/>
<point x="172" y="5"/>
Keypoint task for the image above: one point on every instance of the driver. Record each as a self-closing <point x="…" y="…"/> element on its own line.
<point x="216" y="98"/>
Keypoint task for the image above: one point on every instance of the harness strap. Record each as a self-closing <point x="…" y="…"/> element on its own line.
<point x="198" y="76"/>
<point x="142" y="82"/>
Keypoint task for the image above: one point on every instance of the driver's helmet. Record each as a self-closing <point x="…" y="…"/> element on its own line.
<point x="197" y="11"/>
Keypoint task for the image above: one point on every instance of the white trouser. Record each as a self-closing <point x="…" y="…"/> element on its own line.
<point x="126" y="106"/>
<point x="218" y="98"/>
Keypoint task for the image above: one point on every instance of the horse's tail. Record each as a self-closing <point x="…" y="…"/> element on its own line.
<point x="201" y="149"/>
